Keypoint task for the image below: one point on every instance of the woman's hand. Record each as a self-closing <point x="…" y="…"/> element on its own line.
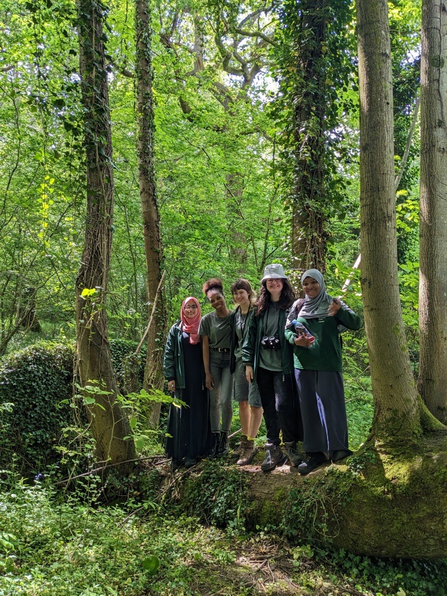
<point x="303" y="340"/>
<point x="334" y="307"/>
<point x="171" y="386"/>
<point x="209" y="381"/>
<point x="249" y="373"/>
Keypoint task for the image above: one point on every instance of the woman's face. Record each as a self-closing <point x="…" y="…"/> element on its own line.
<point x="216" y="299"/>
<point x="241" y="297"/>
<point x="311" y="287"/>
<point x="190" y="309"/>
<point x="274" y="286"/>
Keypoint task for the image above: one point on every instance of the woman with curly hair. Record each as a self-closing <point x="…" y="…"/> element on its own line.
<point x="268" y="360"/>
<point x="215" y="330"/>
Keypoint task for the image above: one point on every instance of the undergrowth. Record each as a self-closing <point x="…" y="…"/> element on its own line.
<point x="71" y="548"/>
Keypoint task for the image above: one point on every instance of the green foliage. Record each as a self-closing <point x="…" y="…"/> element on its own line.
<point x="312" y="508"/>
<point x="54" y="547"/>
<point x="126" y="363"/>
<point x="217" y="496"/>
<point x="399" y="577"/>
<point x="38" y="381"/>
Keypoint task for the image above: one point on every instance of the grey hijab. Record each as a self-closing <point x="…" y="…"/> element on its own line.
<point x="317" y="307"/>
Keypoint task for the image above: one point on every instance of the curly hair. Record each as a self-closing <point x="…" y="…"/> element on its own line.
<point x="286" y="300"/>
<point x="212" y="284"/>
<point x="244" y="284"/>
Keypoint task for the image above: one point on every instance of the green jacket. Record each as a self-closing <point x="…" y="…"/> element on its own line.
<point x="325" y="354"/>
<point x="252" y="344"/>
<point x="173" y="361"/>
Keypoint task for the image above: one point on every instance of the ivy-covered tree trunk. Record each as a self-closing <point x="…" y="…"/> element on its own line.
<point x="153" y="376"/>
<point x="312" y="59"/>
<point x="433" y="210"/>
<point x="108" y="422"/>
<point x="309" y="234"/>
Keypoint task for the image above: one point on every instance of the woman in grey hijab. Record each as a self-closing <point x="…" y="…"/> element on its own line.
<point x="313" y="328"/>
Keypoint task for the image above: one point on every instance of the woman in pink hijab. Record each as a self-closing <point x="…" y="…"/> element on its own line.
<point x="188" y="427"/>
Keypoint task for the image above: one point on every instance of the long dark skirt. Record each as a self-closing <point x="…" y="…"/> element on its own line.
<point x="189" y="427"/>
<point x="323" y="410"/>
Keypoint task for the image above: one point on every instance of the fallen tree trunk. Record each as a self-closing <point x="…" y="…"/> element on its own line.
<point x="376" y="504"/>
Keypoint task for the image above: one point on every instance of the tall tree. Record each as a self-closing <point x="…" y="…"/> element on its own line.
<point x="108" y="422"/>
<point x="314" y="69"/>
<point x="433" y="210"/>
<point x="396" y="414"/>
<point x="146" y="177"/>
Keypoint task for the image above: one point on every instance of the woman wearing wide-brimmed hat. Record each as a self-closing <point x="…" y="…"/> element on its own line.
<point x="268" y="359"/>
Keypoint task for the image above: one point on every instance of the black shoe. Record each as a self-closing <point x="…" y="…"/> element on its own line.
<point x="190" y="462"/>
<point x="223" y="448"/>
<point x="176" y="464"/>
<point x="341" y="454"/>
<point x="293" y="455"/>
<point x="215" y="450"/>
<point x="273" y="457"/>
<point x="314" y="462"/>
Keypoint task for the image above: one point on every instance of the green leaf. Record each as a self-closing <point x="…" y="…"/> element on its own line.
<point x="151" y="564"/>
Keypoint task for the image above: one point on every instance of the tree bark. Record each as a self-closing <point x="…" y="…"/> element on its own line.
<point x="309" y="234"/>
<point x="433" y="210"/>
<point x="397" y="410"/>
<point x="108" y="422"/>
<point x="153" y="376"/>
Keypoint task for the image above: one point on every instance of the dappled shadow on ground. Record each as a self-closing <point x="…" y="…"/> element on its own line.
<point x="264" y="567"/>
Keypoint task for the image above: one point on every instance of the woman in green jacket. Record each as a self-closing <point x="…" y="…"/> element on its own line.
<point x="318" y="370"/>
<point x="188" y="427"/>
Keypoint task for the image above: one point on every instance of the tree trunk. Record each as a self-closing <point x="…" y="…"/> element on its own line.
<point x="396" y="412"/>
<point x="108" y="422"/>
<point x="153" y="376"/>
<point x="376" y="506"/>
<point x="309" y="236"/>
<point x="433" y="210"/>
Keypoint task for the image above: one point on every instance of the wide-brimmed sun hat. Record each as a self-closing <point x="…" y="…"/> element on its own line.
<point x="274" y="271"/>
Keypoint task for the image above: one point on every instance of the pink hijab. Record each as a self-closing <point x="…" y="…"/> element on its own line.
<point x="191" y="326"/>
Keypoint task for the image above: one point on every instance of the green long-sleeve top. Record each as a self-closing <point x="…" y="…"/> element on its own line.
<point x="325" y="353"/>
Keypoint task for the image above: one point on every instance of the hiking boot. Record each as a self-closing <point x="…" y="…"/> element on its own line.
<point x="242" y="445"/>
<point x="293" y="455"/>
<point x="247" y="453"/>
<point x="223" y="448"/>
<point x="273" y="457"/>
<point x="215" y="449"/>
<point x="315" y="461"/>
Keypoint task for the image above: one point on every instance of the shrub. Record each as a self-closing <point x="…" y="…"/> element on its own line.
<point x="37" y="382"/>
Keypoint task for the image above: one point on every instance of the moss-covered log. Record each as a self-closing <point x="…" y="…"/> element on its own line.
<point x="375" y="504"/>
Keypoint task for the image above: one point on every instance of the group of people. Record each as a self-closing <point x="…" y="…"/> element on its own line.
<point x="276" y="356"/>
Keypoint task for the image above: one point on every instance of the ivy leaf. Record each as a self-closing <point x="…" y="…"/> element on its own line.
<point x="151" y="564"/>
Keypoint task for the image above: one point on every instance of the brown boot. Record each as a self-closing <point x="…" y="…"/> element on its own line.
<point x="247" y="453"/>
